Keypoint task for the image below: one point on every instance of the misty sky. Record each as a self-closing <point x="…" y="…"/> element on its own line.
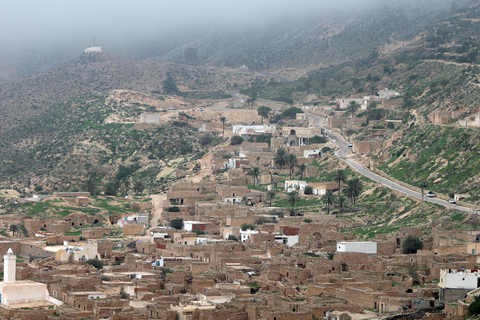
<point x="47" y="21"/>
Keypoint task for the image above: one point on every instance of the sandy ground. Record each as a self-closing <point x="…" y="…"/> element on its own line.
<point x="362" y="316"/>
<point x="158" y="200"/>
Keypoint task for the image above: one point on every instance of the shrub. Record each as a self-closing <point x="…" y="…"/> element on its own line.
<point x="474" y="308"/>
<point x="205" y="140"/>
<point x="232" y="237"/>
<point x="176" y="223"/>
<point x="236" y="140"/>
<point x="246" y="226"/>
<point x="96" y="263"/>
<point x="307" y="220"/>
<point x="291" y="112"/>
<point x="173" y="209"/>
<point x="318" y="139"/>
<point x="308" y="190"/>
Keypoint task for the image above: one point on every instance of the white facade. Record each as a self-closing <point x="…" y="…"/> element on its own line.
<point x="9" y="266"/>
<point x="246" y="130"/>
<point x="387" y="94"/>
<point x="188" y="225"/>
<point x="247" y="234"/>
<point x="292" y="185"/>
<point x="93" y="49"/>
<point x="312" y="153"/>
<point x="453" y="279"/>
<point x="233" y="200"/>
<point x="368" y="247"/>
<point x="288" y="240"/>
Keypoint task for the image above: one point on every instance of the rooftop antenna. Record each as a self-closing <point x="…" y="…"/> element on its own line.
<point x="93" y="39"/>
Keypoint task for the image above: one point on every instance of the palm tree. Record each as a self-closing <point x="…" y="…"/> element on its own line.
<point x="354" y="188"/>
<point x="423" y="185"/>
<point x="14" y="229"/>
<point x="352" y="107"/>
<point x="302" y="168"/>
<point x="281" y="157"/>
<point x="341" y="202"/>
<point x="328" y="198"/>
<point x="270" y="197"/>
<point x="292" y="162"/>
<point x="223" y="119"/>
<point x="292" y="200"/>
<point x="255" y="173"/>
<point x="339" y="177"/>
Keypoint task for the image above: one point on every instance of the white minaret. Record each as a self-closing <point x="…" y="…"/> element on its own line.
<point x="9" y="266"/>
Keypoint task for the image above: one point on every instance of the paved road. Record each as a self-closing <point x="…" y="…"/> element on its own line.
<point x="345" y="154"/>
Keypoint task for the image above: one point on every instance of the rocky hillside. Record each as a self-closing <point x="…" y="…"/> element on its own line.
<point x="94" y="73"/>
<point x="72" y="146"/>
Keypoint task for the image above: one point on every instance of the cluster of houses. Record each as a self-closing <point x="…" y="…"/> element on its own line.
<point x="219" y="250"/>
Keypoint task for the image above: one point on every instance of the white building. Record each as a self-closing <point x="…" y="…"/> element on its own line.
<point x="93" y="49"/>
<point x="135" y="219"/>
<point x="387" y="94"/>
<point x="313" y="153"/>
<point x="458" y="279"/>
<point x="368" y="247"/>
<point x="247" y="234"/>
<point x="288" y="240"/>
<point x="233" y="200"/>
<point x="22" y="292"/>
<point x="292" y="185"/>
<point x="242" y="130"/>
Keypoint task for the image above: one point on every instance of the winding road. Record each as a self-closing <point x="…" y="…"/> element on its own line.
<point x="345" y="153"/>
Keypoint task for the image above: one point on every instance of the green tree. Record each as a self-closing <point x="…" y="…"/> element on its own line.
<point x="169" y="85"/>
<point x="14" y="229"/>
<point x="270" y="197"/>
<point x="354" y="189"/>
<point x="292" y="200"/>
<point x="232" y="237"/>
<point x="339" y="177"/>
<point x="352" y="107"/>
<point x="263" y="111"/>
<point x="281" y="157"/>
<point x="255" y="173"/>
<point x="292" y="162"/>
<point x="474" y="307"/>
<point x="247" y="226"/>
<point x="291" y="112"/>
<point x="308" y="190"/>
<point x="176" y="223"/>
<point x="301" y="170"/>
<point x="96" y="263"/>
<point x="138" y="187"/>
<point x="411" y="245"/>
<point x="328" y="198"/>
<point x="90" y="185"/>
<point x="223" y="119"/>
<point x="110" y="188"/>
<point x="236" y="140"/>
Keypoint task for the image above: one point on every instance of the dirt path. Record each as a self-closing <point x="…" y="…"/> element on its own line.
<point x="206" y="164"/>
<point x="158" y="200"/>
